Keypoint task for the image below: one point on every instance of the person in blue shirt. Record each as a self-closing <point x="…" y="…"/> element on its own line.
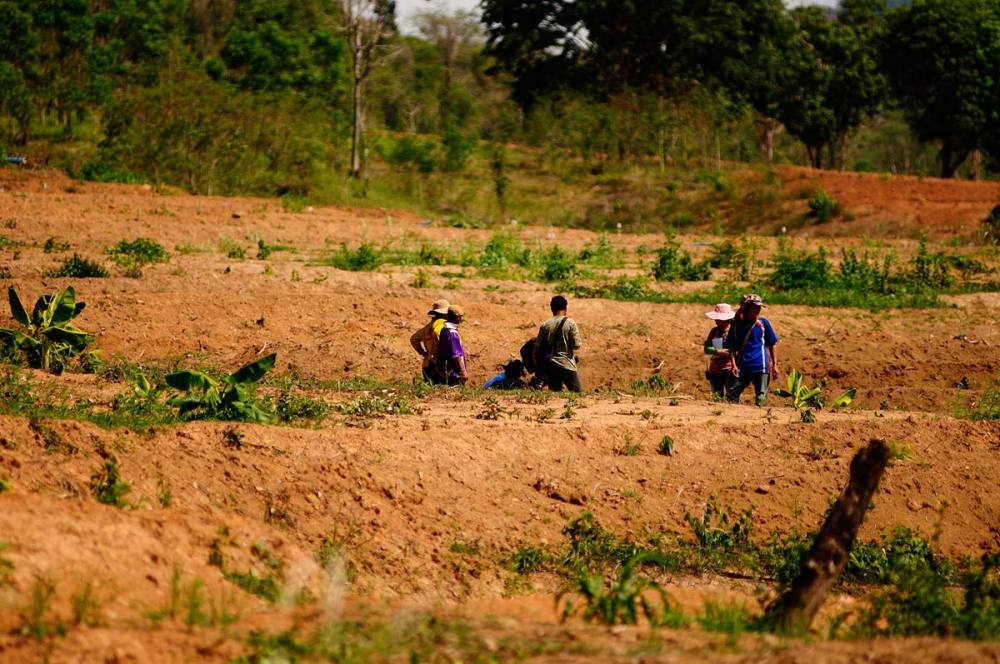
<point x="751" y="342"/>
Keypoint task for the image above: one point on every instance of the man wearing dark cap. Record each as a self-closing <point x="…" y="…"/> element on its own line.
<point x="555" y="349"/>
<point x="425" y="341"/>
<point x="751" y="342"/>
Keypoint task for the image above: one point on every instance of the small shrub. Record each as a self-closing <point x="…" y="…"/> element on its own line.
<point x="823" y="207"/>
<point x="557" y="265"/>
<point x="106" y="484"/>
<point x="527" y="560"/>
<point x="138" y="253"/>
<point x="675" y="264"/>
<point x="373" y="406"/>
<point x="77" y="267"/>
<point x="365" y="258"/>
<point x="52" y="246"/>
<point x="667" y="446"/>
<point x="628" y="446"/>
<point x="422" y="279"/>
<point x="624" y="601"/>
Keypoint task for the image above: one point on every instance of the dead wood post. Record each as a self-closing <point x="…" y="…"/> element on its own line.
<point x="795" y="610"/>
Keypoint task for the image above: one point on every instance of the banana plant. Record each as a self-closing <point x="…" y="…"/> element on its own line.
<point x="231" y="398"/>
<point x="47" y="338"/>
<point x="805" y="398"/>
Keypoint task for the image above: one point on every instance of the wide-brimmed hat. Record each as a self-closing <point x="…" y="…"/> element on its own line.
<point x="456" y="310"/>
<point x="722" y="311"/>
<point x="754" y="299"/>
<point x="439" y="307"/>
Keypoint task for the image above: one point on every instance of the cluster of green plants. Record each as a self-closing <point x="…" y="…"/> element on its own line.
<point x="48" y="339"/>
<point x="135" y="254"/>
<point x="675" y="264"/>
<point x="78" y="267"/>
<point x="895" y="568"/>
<point x="823" y="207"/>
<point x="372" y="406"/>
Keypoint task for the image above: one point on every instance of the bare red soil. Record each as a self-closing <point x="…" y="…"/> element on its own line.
<point x="399" y="494"/>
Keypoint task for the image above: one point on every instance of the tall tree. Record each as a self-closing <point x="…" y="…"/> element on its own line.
<point x="18" y="57"/>
<point x="367" y="21"/>
<point x="454" y="34"/>
<point x="943" y="60"/>
<point x="833" y="83"/>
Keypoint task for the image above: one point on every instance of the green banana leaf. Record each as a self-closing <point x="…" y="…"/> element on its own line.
<point x="17" y="310"/>
<point x="844" y="399"/>
<point x="71" y="336"/>
<point x="252" y="372"/>
<point x="190" y="381"/>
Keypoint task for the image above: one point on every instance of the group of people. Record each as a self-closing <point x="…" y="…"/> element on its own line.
<point x="550" y="355"/>
<point x="741" y="346"/>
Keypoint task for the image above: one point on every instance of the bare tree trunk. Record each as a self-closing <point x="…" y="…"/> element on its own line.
<point x="794" y="611"/>
<point x="357" y="127"/>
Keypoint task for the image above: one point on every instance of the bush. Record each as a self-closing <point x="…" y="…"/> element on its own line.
<point x="675" y="264"/>
<point x="800" y="269"/>
<point x="557" y="265"/>
<point x="823" y="206"/>
<point x="363" y="259"/>
<point x="77" y="267"/>
<point x="139" y="252"/>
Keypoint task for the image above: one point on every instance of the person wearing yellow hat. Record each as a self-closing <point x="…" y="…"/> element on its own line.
<point x="425" y="341"/>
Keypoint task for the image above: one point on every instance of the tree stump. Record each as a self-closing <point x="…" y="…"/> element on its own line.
<point x="794" y="611"/>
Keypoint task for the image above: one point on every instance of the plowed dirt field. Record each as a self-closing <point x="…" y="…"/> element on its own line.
<point x="417" y="511"/>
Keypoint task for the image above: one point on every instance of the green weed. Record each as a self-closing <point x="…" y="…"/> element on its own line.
<point x="77" y="267"/>
<point x="138" y="253"/>
<point x="106" y="483"/>
<point x="822" y="206"/>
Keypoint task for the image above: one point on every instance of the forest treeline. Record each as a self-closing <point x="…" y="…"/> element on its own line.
<point x="230" y="96"/>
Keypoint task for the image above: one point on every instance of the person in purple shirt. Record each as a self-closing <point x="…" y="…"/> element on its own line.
<point x="451" y="352"/>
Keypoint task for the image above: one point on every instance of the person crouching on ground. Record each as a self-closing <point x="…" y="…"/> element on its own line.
<point x="555" y="349"/>
<point x="451" y="353"/>
<point x="720" y="371"/>
<point x="425" y="342"/>
<point x="751" y="340"/>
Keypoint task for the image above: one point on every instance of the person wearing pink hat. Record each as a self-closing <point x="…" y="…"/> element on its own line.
<point x="720" y="366"/>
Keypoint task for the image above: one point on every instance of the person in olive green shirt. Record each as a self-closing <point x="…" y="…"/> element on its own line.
<point x="555" y="349"/>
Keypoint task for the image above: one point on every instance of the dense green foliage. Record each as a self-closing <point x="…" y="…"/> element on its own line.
<point x="223" y="97"/>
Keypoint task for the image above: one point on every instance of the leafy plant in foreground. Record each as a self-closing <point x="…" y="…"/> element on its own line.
<point x="624" y="601"/>
<point x="47" y="339"/>
<point x="231" y="398"/>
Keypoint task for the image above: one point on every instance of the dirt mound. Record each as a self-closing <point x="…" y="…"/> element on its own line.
<point x="895" y="206"/>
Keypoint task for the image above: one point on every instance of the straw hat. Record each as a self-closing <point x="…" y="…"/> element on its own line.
<point x="439" y="307"/>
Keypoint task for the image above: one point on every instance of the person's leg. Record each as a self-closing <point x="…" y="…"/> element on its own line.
<point x="736" y="387"/>
<point x="572" y="380"/>
<point x="761" y="382"/>
<point x="717" y="383"/>
<point x="554" y="379"/>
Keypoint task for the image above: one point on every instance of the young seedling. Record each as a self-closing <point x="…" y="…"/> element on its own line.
<point x="805" y="399"/>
